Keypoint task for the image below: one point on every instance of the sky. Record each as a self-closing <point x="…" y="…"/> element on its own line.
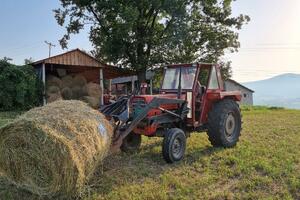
<point x="270" y="43"/>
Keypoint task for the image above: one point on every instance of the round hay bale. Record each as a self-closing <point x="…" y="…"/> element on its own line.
<point x="52" y="90"/>
<point x="66" y="93"/>
<point x="53" y="81"/>
<point x="79" y="92"/>
<point x="53" y="150"/>
<point x="91" y="101"/>
<point x="93" y="90"/>
<point x="54" y="97"/>
<point x="67" y="81"/>
<point x="79" y="80"/>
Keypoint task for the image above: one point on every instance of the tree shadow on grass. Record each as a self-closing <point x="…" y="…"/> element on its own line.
<point x="125" y="169"/>
<point x="121" y="169"/>
<point x="9" y="191"/>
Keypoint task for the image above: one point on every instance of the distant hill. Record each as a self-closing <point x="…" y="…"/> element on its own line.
<point x="282" y="90"/>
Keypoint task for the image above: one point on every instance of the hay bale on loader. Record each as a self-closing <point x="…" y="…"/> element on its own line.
<point x="53" y="150"/>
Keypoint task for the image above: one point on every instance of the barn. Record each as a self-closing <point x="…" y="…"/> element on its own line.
<point x="77" y="63"/>
<point x="247" y="93"/>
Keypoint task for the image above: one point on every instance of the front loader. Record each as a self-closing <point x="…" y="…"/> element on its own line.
<point x="191" y="99"/>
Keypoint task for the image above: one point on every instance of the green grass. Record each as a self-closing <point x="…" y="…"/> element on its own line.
<point x="264" y="165"/>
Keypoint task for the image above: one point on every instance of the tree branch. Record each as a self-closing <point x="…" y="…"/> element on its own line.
<point x="98" y="19"/>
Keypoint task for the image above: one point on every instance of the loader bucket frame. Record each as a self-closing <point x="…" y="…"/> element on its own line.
<point x="124" y="125"/>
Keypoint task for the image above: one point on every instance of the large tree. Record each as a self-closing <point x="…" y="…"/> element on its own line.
<point x="141" y="34"/>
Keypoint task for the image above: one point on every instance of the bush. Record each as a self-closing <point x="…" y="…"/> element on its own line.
<point x="20" y="88"/>
<point x="251" y="108"/>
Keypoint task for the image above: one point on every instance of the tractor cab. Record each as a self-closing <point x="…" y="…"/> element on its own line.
<point x="198" y="84"/>
<point x="193" y="81"/>
<point x="191" y="98"/>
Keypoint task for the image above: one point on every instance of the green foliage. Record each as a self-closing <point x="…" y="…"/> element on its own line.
<point x="20" y="88"/>
<point x="143" y="33"/>
<point x="226" y="70"/>
<point x="28" y="61"/>
<point x="157" y="78"/>
<point x="262" y="108"/>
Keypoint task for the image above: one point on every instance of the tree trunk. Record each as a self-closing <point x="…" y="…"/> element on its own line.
<point x="141" y="76"/>
<point x="141" y="79"/>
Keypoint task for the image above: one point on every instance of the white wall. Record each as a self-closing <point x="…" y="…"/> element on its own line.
<point x="247" y="96"/>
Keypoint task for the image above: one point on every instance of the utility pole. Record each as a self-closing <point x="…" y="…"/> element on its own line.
<point x="50" y="45"/>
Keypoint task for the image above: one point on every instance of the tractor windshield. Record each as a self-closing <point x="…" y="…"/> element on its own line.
<point x="171" y="79"/>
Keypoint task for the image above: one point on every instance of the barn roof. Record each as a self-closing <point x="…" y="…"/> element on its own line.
<point x="80" y="58"/>
<point x="239" y="84"/>
<point x="74" y="57"/>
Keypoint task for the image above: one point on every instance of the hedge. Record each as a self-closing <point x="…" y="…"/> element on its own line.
<point x="20" y="88"/>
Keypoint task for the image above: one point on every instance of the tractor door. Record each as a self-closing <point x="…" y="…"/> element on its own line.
<point x="209" y="80"/>
<point x="200" y="91"/>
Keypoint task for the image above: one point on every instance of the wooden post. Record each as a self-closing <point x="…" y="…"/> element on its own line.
<point x="151" y="86"/>
<point x="132" y="84"/>
<point x="101" y="86"/>
<point x="109" y="87"/>
<point x="44" y="83"/>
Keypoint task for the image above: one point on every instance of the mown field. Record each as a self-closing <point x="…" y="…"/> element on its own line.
<point x="264" y="165"/>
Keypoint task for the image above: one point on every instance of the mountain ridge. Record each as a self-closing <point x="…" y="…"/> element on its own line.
<point x="281" y="90"/>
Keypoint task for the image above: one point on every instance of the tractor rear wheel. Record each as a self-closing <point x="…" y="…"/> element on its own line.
<point x="174" y="144"/>
<point x="131" y="142"/>
<point x="224" y="123"/>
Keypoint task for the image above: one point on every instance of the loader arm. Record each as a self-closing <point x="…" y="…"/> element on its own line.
<point x="122" y="132"/>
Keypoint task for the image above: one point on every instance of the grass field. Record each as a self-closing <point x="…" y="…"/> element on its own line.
<point x="264" y="165"/>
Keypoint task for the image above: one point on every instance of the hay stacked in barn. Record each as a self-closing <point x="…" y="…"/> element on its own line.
<point x="53" y="150"/>
<point x="73" y="87"/>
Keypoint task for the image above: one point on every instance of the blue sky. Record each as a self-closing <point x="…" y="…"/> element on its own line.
<point x="25" y="25"/>
<point x="270" y="43"/>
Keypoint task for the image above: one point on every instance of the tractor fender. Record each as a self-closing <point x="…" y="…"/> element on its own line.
<point x="213" y="96"/>
<point x="219" y="95"/>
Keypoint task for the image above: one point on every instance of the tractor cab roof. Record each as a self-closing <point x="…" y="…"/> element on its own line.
<point x="185" y="75"/>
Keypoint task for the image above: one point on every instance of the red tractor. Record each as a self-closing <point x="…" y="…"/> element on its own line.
<point x="192" y="98"/>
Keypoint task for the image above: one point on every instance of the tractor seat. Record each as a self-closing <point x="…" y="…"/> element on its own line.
<point x="201" y="92"/>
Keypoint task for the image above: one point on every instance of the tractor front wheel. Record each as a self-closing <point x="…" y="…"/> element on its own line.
<point x="174" y="144"/>
<point x="131" y="142"/>
<point x="224" y="123"/>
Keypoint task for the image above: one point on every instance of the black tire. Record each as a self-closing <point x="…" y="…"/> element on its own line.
<point x="131" y="142"/>
<point x="224" y="123"/>
<point x="174" y="145"/>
